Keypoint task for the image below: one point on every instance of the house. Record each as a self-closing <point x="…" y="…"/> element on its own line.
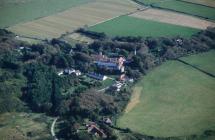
<point x="92" y="128"/>
<point x="122" y="77"/>
<point x="77" y="73"/>
<point x="117" y="86"/>
<point x="107" y="121"/>
<point x="105" y="62"/>
<point x="97" y="76"/>
<point x="21" y="48"/>
<point x="179" y="41"/>
<point x="131" y="80"/>
<point x="60" y="73"/>
<point x="69" y="71"/>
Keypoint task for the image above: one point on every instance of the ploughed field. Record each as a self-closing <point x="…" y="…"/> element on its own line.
<point x="132" y="26"/>
<point x="70" y="20"/>
<point x="19" y="11"/>
<point x="174" y="100"/>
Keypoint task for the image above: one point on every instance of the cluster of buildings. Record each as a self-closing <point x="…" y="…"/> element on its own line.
<point x="116" y="64"/>
<point x="113" y="64"/>
<point x="69" y="71"/>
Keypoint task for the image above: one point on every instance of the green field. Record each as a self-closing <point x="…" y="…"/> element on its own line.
<point x="131" y="26"/>
<point x="188" y="8"/>
<point x="16" y="11"/>
<point x="175" y="100"/>
<point x="204" y="61"/>
<point x="25" y="126"/>
<point x="148" y="2"/>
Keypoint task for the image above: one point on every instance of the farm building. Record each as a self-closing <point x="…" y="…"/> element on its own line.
<point x="97" y="76"/>
<point x="92" y="128"/>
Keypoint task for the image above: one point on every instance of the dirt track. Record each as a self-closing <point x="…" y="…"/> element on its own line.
<point x="135" y="99"/>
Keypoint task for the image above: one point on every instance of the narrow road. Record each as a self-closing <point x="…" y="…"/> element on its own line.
<point x="52" y="129"/>
<point x="101" y="90"/>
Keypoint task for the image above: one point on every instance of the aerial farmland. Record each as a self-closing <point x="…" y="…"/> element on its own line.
<point x="107" y="69"/>
<point x="67" y="21"/>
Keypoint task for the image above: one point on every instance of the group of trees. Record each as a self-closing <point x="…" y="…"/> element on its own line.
<point x="43" y="91"/>
<point x="91" y="34"/>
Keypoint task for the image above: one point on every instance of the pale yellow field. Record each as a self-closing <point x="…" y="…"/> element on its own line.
<point x="78" y="38"/>
<point x="173" y="18"/>
<point x="68" y="21"/>
<point x="210" y="3"/>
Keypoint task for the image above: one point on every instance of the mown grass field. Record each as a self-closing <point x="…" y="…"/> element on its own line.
<point x="188" y="8"/>
<point x="24" y="126"/>
<point x="176" y="100"/>
<point x="131" y="26"/>
<point x="210" y="3"/>
<point x="148" y="2"/>
<point x="16" y="11"/>
<point x="204" y="61"/>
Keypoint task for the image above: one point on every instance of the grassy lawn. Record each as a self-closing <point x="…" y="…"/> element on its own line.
<point x="106" y="83"/>
<point x="18" y="125"/>
<point x="176" y="100"/>
<point x="210" y="3"/>
<point x="16" y="11"/>
<point x="188" y="8"/>
<point x="204" y="61"/>
<point x="131" y="26"/>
